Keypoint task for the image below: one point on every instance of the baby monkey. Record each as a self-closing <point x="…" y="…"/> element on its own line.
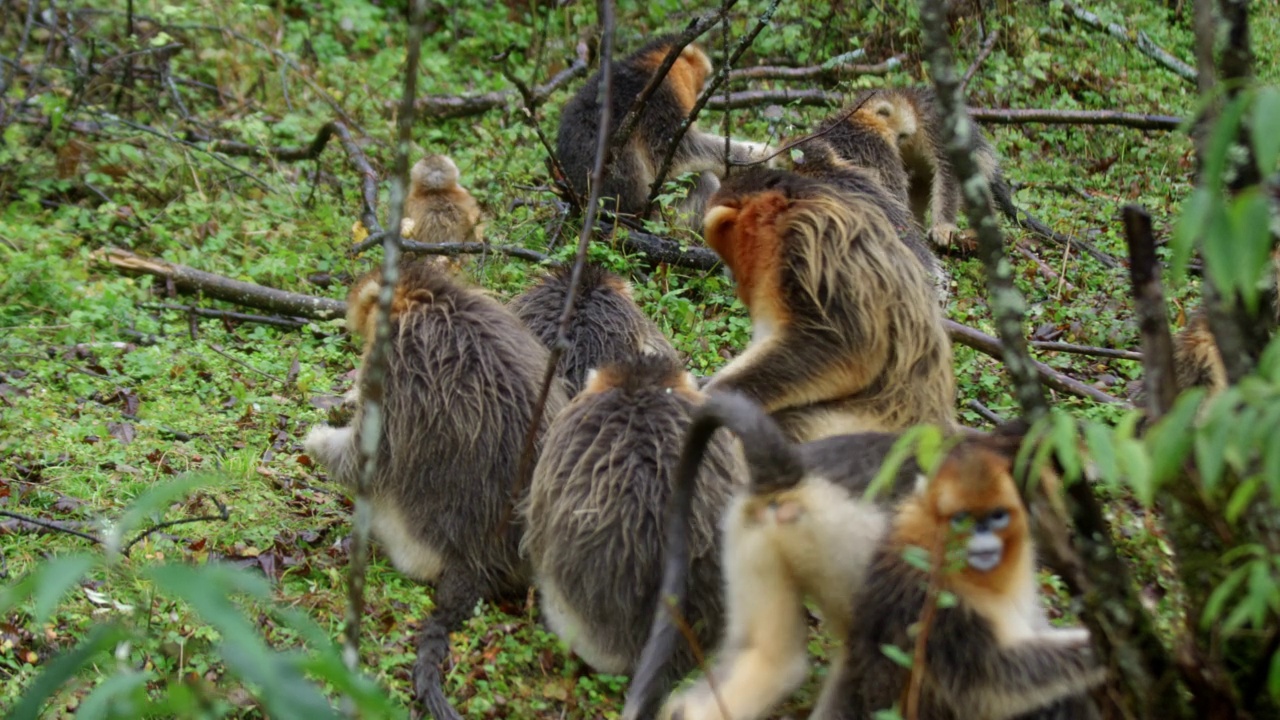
<point x="992" y="654"/>
<point x="636" y="165"/>
<point x="438" y="209"/>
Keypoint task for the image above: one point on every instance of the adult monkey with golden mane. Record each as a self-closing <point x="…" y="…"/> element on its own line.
<point x="847" y="335"/>
<point x="635" y="166"/>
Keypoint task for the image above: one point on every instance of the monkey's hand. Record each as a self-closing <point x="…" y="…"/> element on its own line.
<point x="406" y="228"/>
<point x="697" y="703"/>
<point x="942" y="234"/>
<point x="331" y="447"/>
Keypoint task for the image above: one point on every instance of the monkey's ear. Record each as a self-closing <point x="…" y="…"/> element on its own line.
<point x="718" y="228"/>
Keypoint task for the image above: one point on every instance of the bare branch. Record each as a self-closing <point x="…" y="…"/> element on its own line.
<point x="1159" y="384"/>
<point x="988" y="345"/>
<point x="1086" y="350"/>
<point x="1139" y="39"/>
<point x="187" y="279"/>
<point x="836" y="68"/>
<point x="50" y="525"/>
<point x="454" y="106"/>
<point x="277" y="321"/>
<point x="783" y="96"/>
<point x="1010" y="116"/>
<point x="223" y="514"/>
<point x="987" y="46"/>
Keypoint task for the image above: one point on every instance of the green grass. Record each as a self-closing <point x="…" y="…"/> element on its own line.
<point x="103" y="397"/>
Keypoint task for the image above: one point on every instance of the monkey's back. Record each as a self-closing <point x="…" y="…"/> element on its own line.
<point x="445" y="216"/>
<point x="579" y="129"/>
<point x="606" y="325"/>
<point x="463" y="379"/>
<point x="596" y="515"/>
<point x="863" y="145"/>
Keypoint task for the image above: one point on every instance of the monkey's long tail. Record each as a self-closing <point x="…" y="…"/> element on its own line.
<point x="774" y="464"/>
<point x="454" y="602"/>
<point x="1000" y="190"/>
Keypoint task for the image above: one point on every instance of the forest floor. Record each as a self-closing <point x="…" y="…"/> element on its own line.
<point x="108" y="389"/>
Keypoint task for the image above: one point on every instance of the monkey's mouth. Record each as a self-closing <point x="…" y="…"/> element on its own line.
<point x="984" y="560"/>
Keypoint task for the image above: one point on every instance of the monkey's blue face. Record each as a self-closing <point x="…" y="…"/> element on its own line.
<point x="984" y="549"/>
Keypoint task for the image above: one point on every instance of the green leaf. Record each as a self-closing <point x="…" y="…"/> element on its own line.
<point x="903" y="447"/>
<point x="1211" y="438"/>
<point x="947" y="599"/>
<point x="1170" y="440"/>
<point x="1065" y="444"/>
<point x="54" y="578"/>
<point x="120" y="695"/>
<point x="1241" y="496"/>
<point x="1264" y="125"/>
<point x="1195" y="215"/>
<point x="1250" y="240"/>
<point x="917" y="557"/>
<point x="1220" y="595"/>
<point x="1222" y="137"/>
<point x="897" y="655"/>
<point x="1273" y="677"/>
<point x="1102" y="451"/>
<point x="1137" y="469"/>
<point x="101" y="638"/>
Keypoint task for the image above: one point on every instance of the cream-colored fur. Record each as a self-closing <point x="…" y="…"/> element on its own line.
<point x="574" y="631"/>
<point x="778" y="551"/>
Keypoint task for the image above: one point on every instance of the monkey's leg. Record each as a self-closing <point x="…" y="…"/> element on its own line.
<point x="944" y="205"/>
<point x="456" y="596"/>
<point x="765" y="653"/>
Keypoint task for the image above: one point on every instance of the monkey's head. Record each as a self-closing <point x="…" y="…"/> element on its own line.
<point x="642" y="372"/>
<point x="973" y="505"/>
<point x="890" y="114"/>
<point x="689" y="73"/>
<point x="434" y="172"/>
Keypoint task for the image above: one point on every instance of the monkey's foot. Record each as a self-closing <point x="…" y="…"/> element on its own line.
<point x="942" y="234"/>
<point x="696" y="704"/>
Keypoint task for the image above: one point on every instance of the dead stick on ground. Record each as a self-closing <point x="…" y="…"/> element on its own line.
<point x="988" y="345"/>
<point x="1020" y="116"/>
<point x="826" y="71"/>
<point x="190" y="280"/>
<point x="1140" y="40"/>
<point x="1086" y="350"/>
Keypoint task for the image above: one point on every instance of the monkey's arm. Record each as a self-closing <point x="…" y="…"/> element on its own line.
<point x="1005" y="682"/>
<point x="335" y="449"/>
<point x="702" y="152"/>
<point x="785" y="371"/>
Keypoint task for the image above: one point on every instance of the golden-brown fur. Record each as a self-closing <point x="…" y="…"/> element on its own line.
<point x="847" y="335"/>
<point x="599" y="494"/>
<point x="992" y="654"/>
<point x="636" y="165"/>
<point x="462" y="379"/>
<point x="802" y="528"/>
<point x="438" y="209"/>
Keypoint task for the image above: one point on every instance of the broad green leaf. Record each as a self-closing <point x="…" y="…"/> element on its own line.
<point x="917" y="557"/>
<point x="1102" y="451"/>
<point x="122" y="694"/>
<point x="1169" y="442"/>
<point x="902" y="448"/>
<point x="1264" y="125"/>
<point x="1211" y="438"/>
<point x="1137" y="469"/>
<point x="1273" y="677"/>
<point x="930" y="449"/>
<point x="101" y="639"/>
<point x="1251" y="245"/>
<point x="1065" y="444"/>
<point x="947" y="600"/>
<point x="1241" y="496"/>
<point x="1220" y="595"/>
<point x="1218" y="247"/>
<point x="54" y="578"/>
<point x="897" y="655"/>
<point x="1190" y="227"/>
<point x="1221" y="138"/>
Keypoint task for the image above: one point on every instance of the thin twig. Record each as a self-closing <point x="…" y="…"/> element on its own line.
<point x="1160" y="386"/>
<point x="530" y="117"/>
<point x="276" y="321"/>
<point x="987" y="46"/>
<point x="453" y="106"/>
<point x="674" y="142"/>
<point x="919" y="659"/>
<point x="223" y="514"/>
<point x="987" y="413"/>
<point x="1044" y="269"/>
<point x="695" y="30"/>
<point x="833" y="69"/>
<point x="1140" y="40"/>
<point x="244" y="364"/>
<point x="374" y="370"/>
<point x="1086" y="350"/>
<point x="781" y="96"/>
<point x="50" y="525"/>
<point x="598" y="174"/>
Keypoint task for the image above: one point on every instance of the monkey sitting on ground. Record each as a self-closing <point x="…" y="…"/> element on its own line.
<point x="818" y="158"/>
<point x="991" y="654"/>
<point x="635" y="166"/>
<point x="594" y="515"/>
<point x="846" y="333"/>
<point x="803" y="528"/>
<point x="462" y="380"/>
<point x="438" y="209"/>
<point x="606" y="325"/>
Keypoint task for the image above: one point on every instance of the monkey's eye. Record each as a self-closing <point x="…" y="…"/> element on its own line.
<point x="999" y="519"/>
<point x="960" y="521"/>
<point x="885" y="111"/>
